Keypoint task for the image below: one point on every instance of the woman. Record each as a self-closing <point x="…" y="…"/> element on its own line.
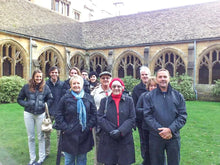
<point x="93" y="80"/>
<point x="116" y="117"/>
<point x="75" y="71"/>
<point x="75" y="117"/>
<point x="151" y="85"/>
<point x="33" y="97"/>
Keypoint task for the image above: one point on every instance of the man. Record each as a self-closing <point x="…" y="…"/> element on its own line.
<point x="165" y="114"/>
<point x="56" y="87"/>
<point x="85" y="75"/>
<point x="98" y="93"/>
<point x="137" y="91"/>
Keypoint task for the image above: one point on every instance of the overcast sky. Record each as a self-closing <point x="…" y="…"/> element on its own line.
<point x="135" y="6"/>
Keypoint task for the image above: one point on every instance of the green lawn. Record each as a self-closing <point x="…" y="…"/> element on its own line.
<point x="200" y="138"/>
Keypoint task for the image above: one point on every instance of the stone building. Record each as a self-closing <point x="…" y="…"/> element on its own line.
<point x="183" y="40"/>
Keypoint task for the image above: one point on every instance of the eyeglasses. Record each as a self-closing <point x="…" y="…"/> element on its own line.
<point x="116" y="86"/>
<point x="105" y="78"/>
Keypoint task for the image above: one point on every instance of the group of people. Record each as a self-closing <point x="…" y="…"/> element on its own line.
<point x="87" y="112"/>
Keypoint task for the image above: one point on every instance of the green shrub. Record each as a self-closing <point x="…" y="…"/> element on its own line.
<point x="183" y="84"/>
<point x="130" y="82"/>
<point x="216" y="88"/>
<point x="10" y="88"/>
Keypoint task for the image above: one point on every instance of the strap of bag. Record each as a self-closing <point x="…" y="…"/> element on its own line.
<point x="46" y="110"/>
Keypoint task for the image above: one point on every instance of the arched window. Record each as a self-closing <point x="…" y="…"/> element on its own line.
<point x="172" y="62"/>
<point x="77" y="61"/>
<point x="129" y="66"/>
<point x="12" y="59"/>
<point x="209" y="67"/>
<point x="48" y="59"/>
<point x="98" y="63"/>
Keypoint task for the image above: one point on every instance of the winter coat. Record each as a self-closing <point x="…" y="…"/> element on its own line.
<point x="74" y="140"/>
<point x="137" y="91"/>
<point x="34" y="102"/>
<point x="139" y="110"/>
<point x="120" y="151"/>
<point x="56" y="90"/>
<point x="165" y="110"/>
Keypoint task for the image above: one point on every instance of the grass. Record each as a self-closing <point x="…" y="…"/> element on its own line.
<point x="200" y="137"/>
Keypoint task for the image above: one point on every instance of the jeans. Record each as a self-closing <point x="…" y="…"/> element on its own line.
<point x="31" y="121"/>
<point x="158" y="146"/>
<point x="71" y="159"/>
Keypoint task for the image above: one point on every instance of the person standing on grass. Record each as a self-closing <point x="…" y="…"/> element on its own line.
<point x="33" y="97"/>
<point x="56" y="87"/>
<point x="75" y="117"/>
<point x="137" y="91"/>
<point x="151" y="85"/>
<point x="165" y="113"/>
<point x="116" y="117"/>
<point x="98" y="93"/>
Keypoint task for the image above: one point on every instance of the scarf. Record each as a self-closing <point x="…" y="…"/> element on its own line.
<point x="117" y="99"/>
<point x="81" y="109"/>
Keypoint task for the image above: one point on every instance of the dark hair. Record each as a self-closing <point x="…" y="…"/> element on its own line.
<point x="54" y="68"/>
<point x="93" y="73"/>
<point x="32" y="83"/>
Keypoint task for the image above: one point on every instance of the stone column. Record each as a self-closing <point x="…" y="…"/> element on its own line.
<point x="191" y="60"/>
<point x="146" y="56"/>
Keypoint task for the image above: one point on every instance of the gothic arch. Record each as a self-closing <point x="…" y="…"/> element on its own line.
<point x="128" y="64"/>
<point x="171" y="59"/>
<point x="13" y="58"/>
<point x="78" y="60"/>
<point x="98" y="62"/>
<point x="208" y="65"/>
<point x="48" y="57"/>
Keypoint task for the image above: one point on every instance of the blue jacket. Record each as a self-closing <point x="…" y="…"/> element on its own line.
<point x="56" y="91"/>
<point x="165" y="110"/>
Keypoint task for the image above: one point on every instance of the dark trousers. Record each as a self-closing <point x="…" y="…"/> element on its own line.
<point x="157" y="148"/>
<point x="146" y="153"/>
<point x="140" y="131"/>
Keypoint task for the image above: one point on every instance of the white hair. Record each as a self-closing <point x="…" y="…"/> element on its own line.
<point x="145" y="68"/>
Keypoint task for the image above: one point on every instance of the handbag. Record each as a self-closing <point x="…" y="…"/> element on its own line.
<point x="46" y="125"/>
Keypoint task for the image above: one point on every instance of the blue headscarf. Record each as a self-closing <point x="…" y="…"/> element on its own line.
<point x="81" y="109"/>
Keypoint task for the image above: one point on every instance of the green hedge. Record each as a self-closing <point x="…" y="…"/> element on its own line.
<point x="216" y="88"/>
<point x="184" y="84"/>
<point x="10" y="87"/>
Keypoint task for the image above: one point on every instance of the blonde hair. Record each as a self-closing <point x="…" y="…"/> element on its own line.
<point x="77" y="77"/>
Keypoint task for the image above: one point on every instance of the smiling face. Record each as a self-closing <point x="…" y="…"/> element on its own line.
<point x="152" y="86"/>
<point x="163" y="79"/>
<point x="93" y="78"/>
<point x="117" y="88"/>
<point x="76" y="83"/>
<point x="105" y="80"/>
<point x="144" y="76"/>
<point x="54" y="75"/>
<point x="38" y="78"/>
<point x="73" y="72"/>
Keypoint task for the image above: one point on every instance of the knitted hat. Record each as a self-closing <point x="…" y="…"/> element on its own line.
<point x="119" y="80"/>
<point x="93" y="73"/>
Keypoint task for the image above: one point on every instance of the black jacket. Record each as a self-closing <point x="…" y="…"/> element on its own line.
<point x="56" y="90"/>
<point x="137" y="91"/>
<point x="165" y="110"/>
<point x="34" y="102"/>
<point x="74" y="141"/>
<point x="107" y="120"/>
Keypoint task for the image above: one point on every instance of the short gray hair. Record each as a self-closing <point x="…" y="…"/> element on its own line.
<point x="145" y="68"/>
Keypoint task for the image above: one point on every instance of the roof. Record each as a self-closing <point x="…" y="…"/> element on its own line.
<point x="25" y="18"/>
<point x="194" y="22"/>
